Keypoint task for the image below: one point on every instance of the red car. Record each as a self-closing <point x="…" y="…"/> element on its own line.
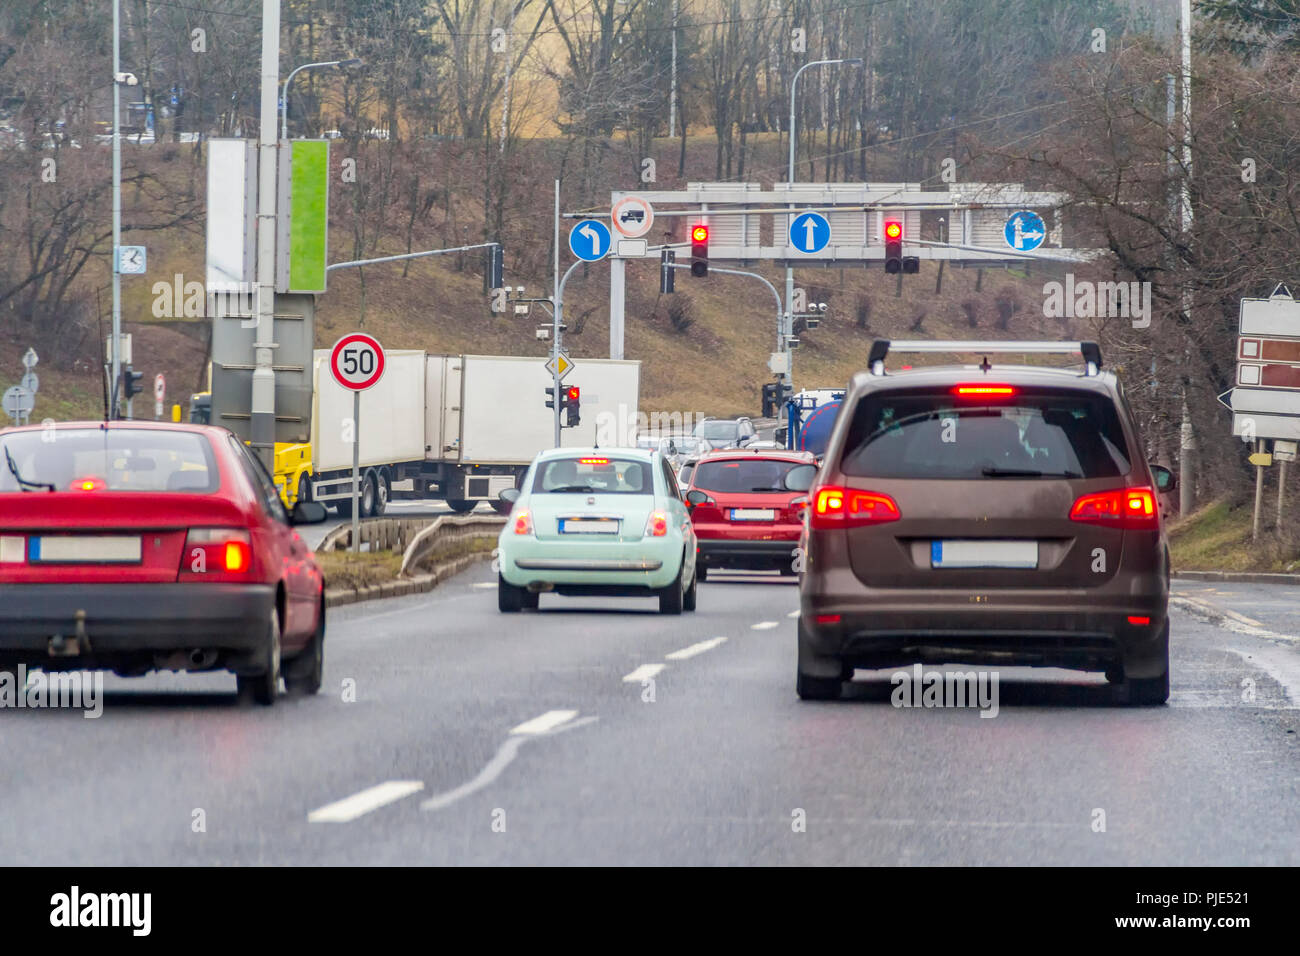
<point x="743" y="514"/>
<point x="138" y="546"/>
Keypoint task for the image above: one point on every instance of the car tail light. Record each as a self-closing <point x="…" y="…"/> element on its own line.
<point x="1121" y="508"/>
<point x="523" y="523"/>
<point x="983" y="391"/>
<point x="799" y="504"/>
<point x="656" y="526"/>
<point x="1140" y="621"/>
<point x="217" y="551"/>
<point x="837" y="507"/>
<point x="88" y="484"/>
<point x="827" y="619"/>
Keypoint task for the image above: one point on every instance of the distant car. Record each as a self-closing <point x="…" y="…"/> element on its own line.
<point x="677" y="448"/>
<point x="597" y="522"/>
<point x="743" y="513"/>
<point x="726" y="432"/>
<point x="136" y="546"/>
<point x="989" y="514"/>
<point x="686" y="469"/>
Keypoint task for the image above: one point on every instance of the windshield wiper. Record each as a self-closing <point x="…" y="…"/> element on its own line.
<point x="1026" y="473"/>
<point x="573" y="488"/>
<point x="23" y="483"/>
<point x="768" y="489"/>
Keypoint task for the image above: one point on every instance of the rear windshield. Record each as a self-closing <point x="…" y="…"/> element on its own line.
<point x="718" y="431"/>
<point x="117" y="459"/>
<point x="593" y="474"/>
<point x="1033" y="434"/>
<point x="742" y="475"/>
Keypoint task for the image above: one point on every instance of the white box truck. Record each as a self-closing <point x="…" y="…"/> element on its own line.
<point x="460" y="428"/>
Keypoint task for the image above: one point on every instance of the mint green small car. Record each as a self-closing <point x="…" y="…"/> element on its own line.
<point x="597" y="521"/>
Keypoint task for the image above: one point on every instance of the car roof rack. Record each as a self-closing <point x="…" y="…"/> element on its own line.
<point x="880" y="348"/>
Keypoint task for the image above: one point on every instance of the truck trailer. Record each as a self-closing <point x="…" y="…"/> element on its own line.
<point x="459" y="428"/>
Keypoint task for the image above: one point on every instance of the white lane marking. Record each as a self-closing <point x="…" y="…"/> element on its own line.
<point x="485" y="584"/>
<point x="694" y="649"/>
<point x="763" y="626"/>
<point x="545" y="722"/>
<point x="496" y="766"/>
<point x="644" y="672"/>
<point x="359" y="804"/>
<point x="1281" y="665"/>
<point x="793" y="614"/>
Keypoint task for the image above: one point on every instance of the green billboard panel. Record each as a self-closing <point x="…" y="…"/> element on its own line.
<point x="308" y="214"/>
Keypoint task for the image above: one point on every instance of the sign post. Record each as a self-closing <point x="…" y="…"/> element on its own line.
<point x="357" y="363"/>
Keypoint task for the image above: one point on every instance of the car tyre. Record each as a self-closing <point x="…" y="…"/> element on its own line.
<point x="673" y="597"/>
<point x="460" y="505"/>
<point x="501" y="507"/>
<point x="1149" y="691"/>
<point x="701" y="573"/>
<point x="383" y="491"/>
<point x="688" y="599"/>
<point x="303" y="675"/>
<point x="262" y="688"/>
<point x="304" y="488"/>
<point x="368" y="495"/>
<point x="510" y="599"/>
<point x="817" y="688"/>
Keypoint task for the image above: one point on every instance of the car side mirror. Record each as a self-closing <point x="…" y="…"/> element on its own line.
<point x="509" y="495"/>
<point x="697" y="497"/>
<point x="307" y="512"/>
<point x="1164" y="478"/>
<point x="800" y="478"/>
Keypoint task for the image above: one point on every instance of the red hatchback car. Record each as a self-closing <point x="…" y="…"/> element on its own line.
<point x="743" y="514"/>
<point x="138" y="546"/>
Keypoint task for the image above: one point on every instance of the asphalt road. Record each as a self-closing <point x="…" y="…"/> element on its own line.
<point x="714" y="762"/>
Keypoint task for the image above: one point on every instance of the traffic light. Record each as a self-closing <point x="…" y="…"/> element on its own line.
<point x="572" y="406"/>
<point x="493" y="268"/>
<point x="893" y="246"/>
<point x="131" y="385"/>
<point x="699" y="250"/>
<point x="666" y="271"/>
<point x="550" y="398"/>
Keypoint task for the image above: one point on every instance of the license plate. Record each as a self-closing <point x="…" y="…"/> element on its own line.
<point x="983" y="554"/>
<point x="753" y="514"/>
<point x="84" y="549"/>
<point x="588" y="526"/>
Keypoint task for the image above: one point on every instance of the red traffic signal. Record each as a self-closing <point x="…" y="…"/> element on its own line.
<point x="893" y="246"/>
<point x="699" y="250"/>
<point x="575" y="393"/>
<point x="572" y="405"/>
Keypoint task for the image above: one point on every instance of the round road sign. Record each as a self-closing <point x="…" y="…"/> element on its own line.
<point x="810" y="232"/>
<point x="357" y="361"/>
<point x="589" y="240"/>
<point x="632" y="216"/>
<point x="18" y="401"/>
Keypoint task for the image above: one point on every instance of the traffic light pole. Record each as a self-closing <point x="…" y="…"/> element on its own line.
<point x="557" y="325"/>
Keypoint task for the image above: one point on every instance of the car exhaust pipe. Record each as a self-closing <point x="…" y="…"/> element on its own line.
<point x="202" y="658"/>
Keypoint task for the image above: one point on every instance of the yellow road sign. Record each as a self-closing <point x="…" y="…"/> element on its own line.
<point x="1261" y="458"/>
<point x="560" y="365"/>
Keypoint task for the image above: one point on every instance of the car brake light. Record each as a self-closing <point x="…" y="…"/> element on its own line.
<point x="983" y="391"/>
<point x="523" y="523"/>
<point x="1142" y="621"/>
<point x="1121" y="508"/>
<point x="228" y="550"/>
<point x="656" y="526"/>
<point x="88" y="484"/>
<point x="836" y="507"/>
<point x="827" y="619"/>
<point x="593" y="461"/>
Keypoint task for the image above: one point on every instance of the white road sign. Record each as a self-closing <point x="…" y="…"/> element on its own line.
<point x="632" y="216"/>
<point x="1266" y="401"/>
<point x="357" y="361"/>
<point x="32" y="382"/>
<point x="159" y="387"/>
<point x="30" y="359"/>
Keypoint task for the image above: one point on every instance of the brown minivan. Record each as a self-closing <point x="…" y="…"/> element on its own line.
<point x="988" y="514"/>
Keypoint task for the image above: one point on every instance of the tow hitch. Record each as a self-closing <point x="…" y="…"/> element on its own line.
<point x="61" y="646"/>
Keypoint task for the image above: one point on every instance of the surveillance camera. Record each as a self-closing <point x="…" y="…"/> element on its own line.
<point x="821" y="306"/>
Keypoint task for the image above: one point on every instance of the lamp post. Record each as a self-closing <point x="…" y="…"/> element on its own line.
<point x="119" y="79"/>
<point x="284" y="96"/>
<point x="789" y="269"/>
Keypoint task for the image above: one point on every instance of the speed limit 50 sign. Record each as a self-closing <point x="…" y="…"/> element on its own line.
<point x="357" y="361"/>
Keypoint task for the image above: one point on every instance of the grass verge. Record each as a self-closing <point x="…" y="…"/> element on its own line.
<point x="1217" y="538"/>
<point x="343" y="569"/>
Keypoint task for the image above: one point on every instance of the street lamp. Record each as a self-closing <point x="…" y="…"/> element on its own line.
<point x="284" y="96"/>
<point x="789" y="269"/>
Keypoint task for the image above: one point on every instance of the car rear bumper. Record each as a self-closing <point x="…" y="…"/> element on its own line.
<point x="721" y="552"/>
<point x="1047" y="628"/>
<point x="551" y="564"/>
<point x="135" y="617"/>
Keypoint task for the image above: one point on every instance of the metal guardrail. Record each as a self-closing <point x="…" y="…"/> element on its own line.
<point x="449" y="528"/>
